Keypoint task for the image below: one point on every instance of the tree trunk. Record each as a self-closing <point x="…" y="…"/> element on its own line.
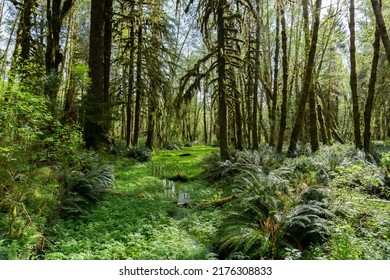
<point x="151" y="123"/>
<point x="130" y="92"/>
<point x="306" y="29"/>
<point x="323" y="128"/>
<point x="274" y="102"/>
<point x="255" y="124"/>
<point x="314" y="141"/>
<point x="238" y="119"/>
<point x="283" y="117"/>
<point x="138" y="86"/>
<point x="222" y="102"/>
<point x="353" y="78"/>
<point x="55" y="15"/>
<point x="108" y="14"/>
<point x="93" y="128"/>
<point x="205" y="91"/>
<point x="377" y="7"/>
<point x="26" y="28"/>
<point x="371" y="92"/>
<point x="307" y="80"/>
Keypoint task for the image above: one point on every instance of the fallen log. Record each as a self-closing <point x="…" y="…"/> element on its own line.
<point x="218" y="202"/>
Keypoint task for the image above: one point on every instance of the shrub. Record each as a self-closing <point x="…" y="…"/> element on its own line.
<point x="79" y="189"/>
<point x="267" y="217"/>
<point x="385" y="161"/>
<point x="214" y="169"/>
<point x="142" y="154"/>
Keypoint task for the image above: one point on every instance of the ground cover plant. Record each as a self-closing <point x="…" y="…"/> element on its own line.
<point x="310" y="206"/>
<point x="265" y="205"/>
<point x="140" y="218"/>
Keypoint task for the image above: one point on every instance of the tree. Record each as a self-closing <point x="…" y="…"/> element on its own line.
<point x="94" y="129"/>
<point x="353" y="77"/>
<point x="307" y="83"/>
<point x="371" y="91"/>
<point x="55" y="14"/>
<point x="377" y="7"/>
<point x="256" y="66"/>
<point x="139" y="86"/>
<point x="283" y="117"/>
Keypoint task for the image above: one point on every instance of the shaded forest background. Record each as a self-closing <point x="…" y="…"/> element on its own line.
<point x="127" y="76"/>
<point x="233" y="73"/>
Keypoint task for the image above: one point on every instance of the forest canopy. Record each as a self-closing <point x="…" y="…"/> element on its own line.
<point x="233" y="73"/>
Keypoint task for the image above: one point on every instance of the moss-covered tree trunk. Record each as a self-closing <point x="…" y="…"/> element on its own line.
<point x="108" y="14"/>
<point x="283" y="116"/>
<point x="222" y="99"/>
<point x="353" y="77"/>
<point x="275" y="88"/>
<point x="371" y="92"/>
<point x="94" y="113"/>
<point x="138" y="92"/>
<point x="307" y="80"/>
<point x="377" y="7"/>
<point x="130" y="91"/>
<point x="255" y="123"/>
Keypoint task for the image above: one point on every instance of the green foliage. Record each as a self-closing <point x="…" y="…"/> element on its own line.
<point x="385" y="161"/>
<point x="81" y="189"/>
<point x="362" y="234"/>
<point x="215" y="169"/>
<point x="266" y="222"/>
<point x="267" y="217"/>
<point x="142" y="154"/>
<point x="139" y="153"/>
<point x="141" y="227"/>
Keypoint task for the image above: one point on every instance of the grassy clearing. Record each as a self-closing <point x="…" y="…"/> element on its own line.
<point x="149" y="225"/>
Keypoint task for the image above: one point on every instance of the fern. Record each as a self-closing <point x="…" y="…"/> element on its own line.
<point x="80" y="190"/>
<point x="267" y="217"/>
<point x="216" y="170"/>
<point x="141" y="154"/>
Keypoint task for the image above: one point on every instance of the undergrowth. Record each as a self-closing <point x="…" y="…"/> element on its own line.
<point x="309" y="206"/>
<point x="140" y="219"/>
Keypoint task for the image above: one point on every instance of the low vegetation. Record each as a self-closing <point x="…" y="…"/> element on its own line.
<point x="332" y="204"/>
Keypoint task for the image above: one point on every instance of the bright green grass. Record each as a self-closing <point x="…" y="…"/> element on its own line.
<point x="148" y="226"/>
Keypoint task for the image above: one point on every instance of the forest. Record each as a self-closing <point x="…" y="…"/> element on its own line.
<point x="194" y="130"/>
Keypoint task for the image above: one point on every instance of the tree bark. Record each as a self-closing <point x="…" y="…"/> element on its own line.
<point x="377" y="7"/>
<point x="323" y="128"/>
<point x="353" y="78"/>
<point x="138" y="93"/>
<point x="205" y="91"/>
<point x="94" y="113"/>
<point x="371" y="92"/>
<point x="55" y="15"/>
<point x="307" y="80"/>
<point x="283" y="117"/>
<point x="26" y="29"/>
<point x="255" y="124"/>
<point x="130" y="92"/>
<point x="314" y="141"/>
<point x="238" y="118"/>
<point x="222" y="102"/>
<point x="274" y="101"/>
<point x="108" y="14"/>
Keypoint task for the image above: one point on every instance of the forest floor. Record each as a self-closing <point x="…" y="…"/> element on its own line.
<point x="147" y="214"/>
<point x="155" y="211"/>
